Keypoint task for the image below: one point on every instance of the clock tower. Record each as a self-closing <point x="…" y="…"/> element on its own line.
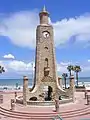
<point x="45" y="66"/>
<point x="46" y="85"/>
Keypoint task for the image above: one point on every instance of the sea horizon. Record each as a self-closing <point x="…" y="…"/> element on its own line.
<point x="13" y="81"/>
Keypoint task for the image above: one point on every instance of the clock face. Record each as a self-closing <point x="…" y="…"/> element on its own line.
<point x="46" y="34"/>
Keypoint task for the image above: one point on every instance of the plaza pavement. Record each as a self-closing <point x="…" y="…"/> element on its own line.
<point x="70" y="111"/>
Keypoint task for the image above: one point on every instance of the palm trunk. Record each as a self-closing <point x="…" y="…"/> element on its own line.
<point x="77" y="77"/>
<point x="70" y="73"/>
<point x="65" y="82"/>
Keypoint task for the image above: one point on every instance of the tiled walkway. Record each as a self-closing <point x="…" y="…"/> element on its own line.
<point x="70" y="111"/>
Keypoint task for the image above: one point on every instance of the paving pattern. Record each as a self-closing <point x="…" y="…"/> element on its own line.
<point x="71" y="111"/>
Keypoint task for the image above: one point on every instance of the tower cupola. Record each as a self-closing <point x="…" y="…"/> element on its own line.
<point x="44" y="16"/>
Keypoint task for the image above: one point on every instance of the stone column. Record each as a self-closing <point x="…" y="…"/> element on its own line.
<point x="72" y="87"/>
<point x="25" y="89"/>
<point x="60" y="82"/>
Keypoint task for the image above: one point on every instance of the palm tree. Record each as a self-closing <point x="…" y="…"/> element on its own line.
<point x="65" y="75"/>
<point x="16" y="86"/>
<point x="2" y="69"/>
<point x="77" y="69"/>
<point x="70" y="68"/>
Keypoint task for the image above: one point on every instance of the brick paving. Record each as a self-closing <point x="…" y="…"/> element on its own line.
<point x="73" y="108"/>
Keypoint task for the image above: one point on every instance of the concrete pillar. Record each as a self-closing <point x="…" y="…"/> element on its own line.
<point x="60" y="82"/>
<point x="88" y="99"/>
<point x="85" y="94"/>
<point x="15" y="96"/>
<point x="57" y="105"/>
<point x="12" y="104"/>
<point x="25" y="89"/>
<point x="72" y="87"/>
<point x="1" y="99"/>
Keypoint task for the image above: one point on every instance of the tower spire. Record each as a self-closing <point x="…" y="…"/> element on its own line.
<point x="44" y="9"/>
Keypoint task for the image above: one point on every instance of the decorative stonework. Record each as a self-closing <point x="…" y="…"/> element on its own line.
<point x="25" y="89"/>
<point x="47" y="79"/>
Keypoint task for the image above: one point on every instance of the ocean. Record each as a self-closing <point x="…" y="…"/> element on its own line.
<point x="12" y="83"/>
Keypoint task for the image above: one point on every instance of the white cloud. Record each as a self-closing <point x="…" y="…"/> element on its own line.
<point x="26" y="68"/>
<point x="61" y="68"/>
<point x="88" y="60"/>
<point x="86" y="68"/>
<point x="9" y="56"/>
<point x="1" y="62"/>
<point x="20" y="66"/>
<point x="78" y="26"/>
<point x="65" y="63"/>
<point x="16" y="66"/>
<point x="20" y="27"/>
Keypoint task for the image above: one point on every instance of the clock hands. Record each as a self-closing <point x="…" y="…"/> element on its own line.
<point x="46" y="34"/>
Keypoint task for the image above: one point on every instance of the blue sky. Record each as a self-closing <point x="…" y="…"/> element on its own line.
<point x="18" y="21"/>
